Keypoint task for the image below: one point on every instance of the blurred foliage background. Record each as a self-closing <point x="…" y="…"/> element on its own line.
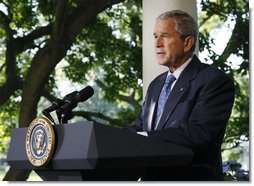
<point x="50" y="48"/>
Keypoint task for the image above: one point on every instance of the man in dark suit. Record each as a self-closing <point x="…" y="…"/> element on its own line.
<point x="191" y="110"/>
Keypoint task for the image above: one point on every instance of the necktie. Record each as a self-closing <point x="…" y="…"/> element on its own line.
<point x="163" y="97"/>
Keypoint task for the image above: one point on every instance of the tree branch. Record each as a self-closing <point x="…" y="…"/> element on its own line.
<point x="84" y="13"/>
<point x="45" y="93"/>
<point x="229" y="49"/>
<point x="88" y="115"/>
<point x="23" y="43"/>
<point x="129" y="99"/>
<point x="14" y="46"/>
<point x="13" y="82"/>
<point x="59" y="18"/>
<point x="8" y="88"/>
<point x="5" y="22"/>
<point x="204" y="20"/>
<point x="2" y="67"/>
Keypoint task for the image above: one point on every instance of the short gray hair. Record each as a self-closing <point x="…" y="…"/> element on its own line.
<point x="185" y="24"/>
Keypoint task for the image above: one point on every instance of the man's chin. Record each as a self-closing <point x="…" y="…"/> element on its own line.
<point x="162" y="63"/>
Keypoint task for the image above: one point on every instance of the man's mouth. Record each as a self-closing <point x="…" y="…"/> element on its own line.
<point x="160" y="53"/>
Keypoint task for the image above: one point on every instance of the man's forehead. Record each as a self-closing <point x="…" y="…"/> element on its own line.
<point x="163" y="26"/>
<point x="165" y="21"/>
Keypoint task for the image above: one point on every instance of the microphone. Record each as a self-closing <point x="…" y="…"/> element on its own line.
<point x="68" y="103"/>
<point x="55" y="105"/>
<point x="68" y="97"/>
<point x="72" y="101"/>
<point x="58" y="103"/>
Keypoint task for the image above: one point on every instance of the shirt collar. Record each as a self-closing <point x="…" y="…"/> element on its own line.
<point x="178" y="72"/>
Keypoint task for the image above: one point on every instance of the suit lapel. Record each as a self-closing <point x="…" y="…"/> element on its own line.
<point x="182" y="84"/>
<point x="154" y="98"/>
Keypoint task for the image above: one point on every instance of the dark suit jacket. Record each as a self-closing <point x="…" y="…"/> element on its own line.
<point x="195" y="116"/>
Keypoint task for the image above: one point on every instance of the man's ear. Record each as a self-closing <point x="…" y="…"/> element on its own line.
<point x="188" y="43"/>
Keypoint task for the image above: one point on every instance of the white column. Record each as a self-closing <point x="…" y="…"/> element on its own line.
<point x="151" y="10"/>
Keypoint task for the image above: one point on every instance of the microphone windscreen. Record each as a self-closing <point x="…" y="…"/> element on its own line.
<point x="85" y="93"/>
<point x="70" y="96"/>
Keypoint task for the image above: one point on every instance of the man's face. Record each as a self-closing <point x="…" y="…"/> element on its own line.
<point x="169" y="47"/>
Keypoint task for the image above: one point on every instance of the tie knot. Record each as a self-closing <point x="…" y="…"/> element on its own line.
<point x="170" y="79"/>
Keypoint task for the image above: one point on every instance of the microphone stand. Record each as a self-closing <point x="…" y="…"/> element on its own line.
<point x="59" y="116"/>
<point x="64" y="114"/>
<point x="47" y="114"/>
<point x="67" y="116"/>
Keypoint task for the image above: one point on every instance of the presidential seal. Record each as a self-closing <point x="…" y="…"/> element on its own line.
<point x="40" y="141"/>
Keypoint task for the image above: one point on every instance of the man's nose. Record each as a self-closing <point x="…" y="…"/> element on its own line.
<point x="158" y="42"/>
